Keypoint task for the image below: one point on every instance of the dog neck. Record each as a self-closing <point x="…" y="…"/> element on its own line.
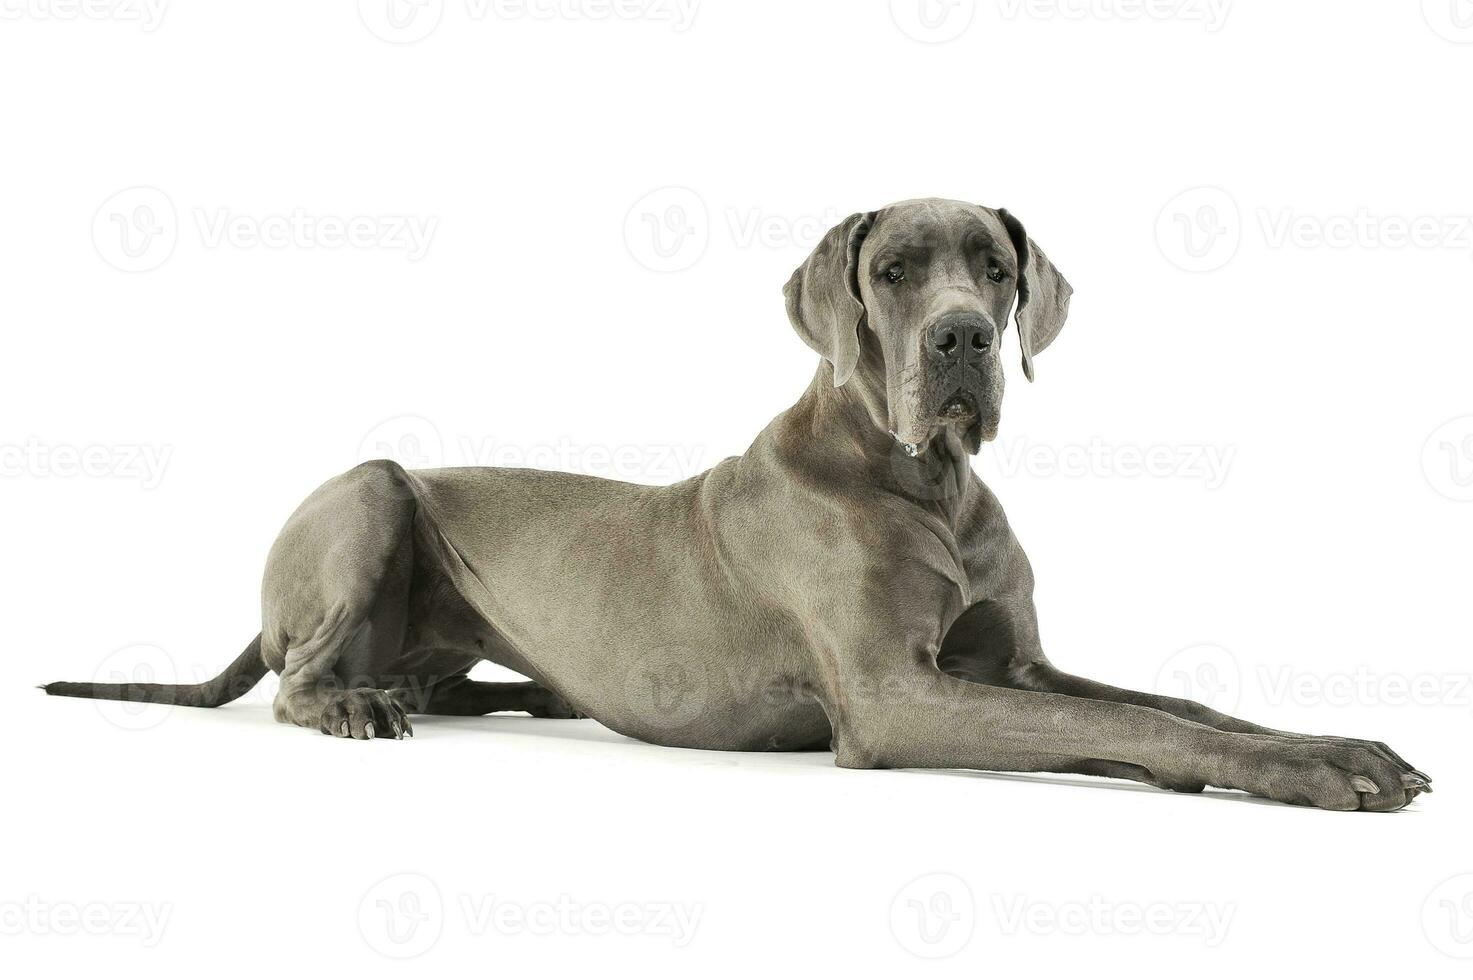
<point x="853" y="422"/>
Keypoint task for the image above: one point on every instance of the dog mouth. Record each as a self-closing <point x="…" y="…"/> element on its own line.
<point x="960" y="407"/>
<point x="964" y="416"/>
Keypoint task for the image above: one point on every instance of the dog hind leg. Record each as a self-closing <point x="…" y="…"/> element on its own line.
<point x="335" y="604"/>
<point x="463" y="696"/>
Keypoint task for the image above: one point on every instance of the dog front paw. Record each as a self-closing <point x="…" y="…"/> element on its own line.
<point x="1420" y="780"/>
<point x="1332" y="774"/>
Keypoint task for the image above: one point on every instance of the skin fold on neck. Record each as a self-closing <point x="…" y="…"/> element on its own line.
<point x="855" y="421"/>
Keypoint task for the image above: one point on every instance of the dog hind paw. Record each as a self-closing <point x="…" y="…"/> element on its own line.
<point x="365" y="713"/>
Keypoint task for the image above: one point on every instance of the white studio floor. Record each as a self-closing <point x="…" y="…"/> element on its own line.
<point x="673" y="862"/>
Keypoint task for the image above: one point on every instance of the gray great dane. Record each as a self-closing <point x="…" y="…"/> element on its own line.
<point x="848" y="583"/>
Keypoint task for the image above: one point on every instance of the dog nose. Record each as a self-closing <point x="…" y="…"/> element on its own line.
<point x="950" y="333"/>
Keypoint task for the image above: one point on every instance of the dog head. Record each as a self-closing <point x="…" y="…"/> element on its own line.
<point x="922" y="288"/>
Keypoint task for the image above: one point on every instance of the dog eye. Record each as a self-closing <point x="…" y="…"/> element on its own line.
<point x="895" y="274"/>
<point x="995" y="274"/>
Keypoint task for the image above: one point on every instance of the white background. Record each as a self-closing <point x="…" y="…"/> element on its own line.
<point x="1230" y="190"/>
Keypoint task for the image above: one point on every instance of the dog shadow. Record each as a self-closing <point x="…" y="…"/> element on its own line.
<point x="589" y="732"/>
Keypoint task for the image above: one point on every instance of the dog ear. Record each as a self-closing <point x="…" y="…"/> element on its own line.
<point x="1043" y="294"/>
<point x="823" y="295"/>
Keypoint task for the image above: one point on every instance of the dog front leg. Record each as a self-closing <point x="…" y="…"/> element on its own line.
<point x="1044" y="676"/>
<point x="996" y="641"/>
<point x="919" y="717"/>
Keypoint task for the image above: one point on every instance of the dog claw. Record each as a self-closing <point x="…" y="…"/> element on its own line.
<point x="368" y="730"/>
<point x="1416" y="783"/>
<point x="343" y="731"/>
<point x="1363" y="785"/>
<point x="1420" y="775"/>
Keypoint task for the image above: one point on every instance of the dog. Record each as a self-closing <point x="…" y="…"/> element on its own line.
<point x="848" y="583"/>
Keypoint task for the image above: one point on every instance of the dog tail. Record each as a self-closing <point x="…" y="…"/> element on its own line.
<point x="232" y="683"/>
